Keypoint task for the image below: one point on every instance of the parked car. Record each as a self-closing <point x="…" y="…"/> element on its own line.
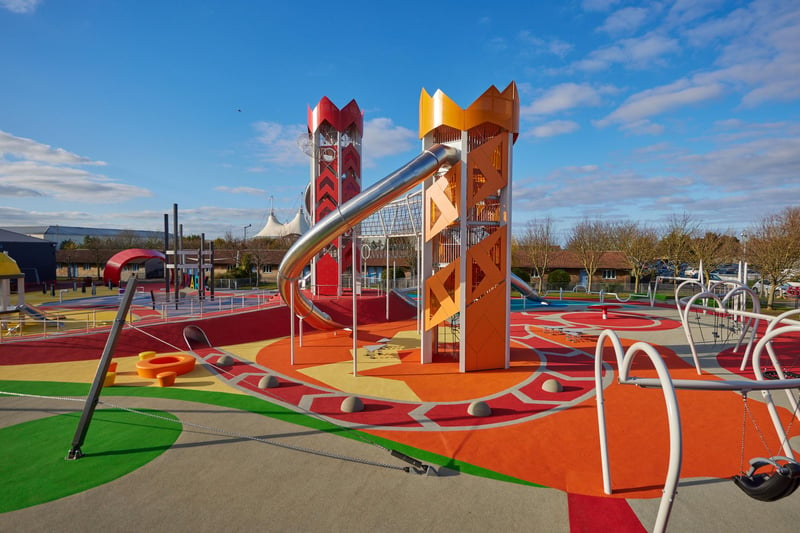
<point x="761" y="286"/>
<point x="781" y="291"/>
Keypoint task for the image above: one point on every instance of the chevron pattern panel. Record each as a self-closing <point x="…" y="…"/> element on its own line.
<point x="486" y="264"/>
<point x="441" y="201"/>
<point x="441" y="295"/>
<point x="488" y="166"/>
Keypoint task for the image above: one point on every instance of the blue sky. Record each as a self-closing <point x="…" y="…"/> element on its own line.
<point x="114" y="110"/>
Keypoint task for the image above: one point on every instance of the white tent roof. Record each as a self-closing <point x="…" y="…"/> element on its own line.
<point x="274" y="229"/>
<point x="298" y="225"/>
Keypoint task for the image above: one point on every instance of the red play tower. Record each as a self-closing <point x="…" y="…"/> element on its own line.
<point x="335" y="142"/>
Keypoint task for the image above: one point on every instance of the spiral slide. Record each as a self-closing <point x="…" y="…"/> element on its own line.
<point x="345" y="217"/>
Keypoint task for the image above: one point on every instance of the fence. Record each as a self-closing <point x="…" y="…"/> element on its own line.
<point x="71" y="322"/>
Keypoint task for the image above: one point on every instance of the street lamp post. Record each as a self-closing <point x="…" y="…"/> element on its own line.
<point x="244" y="242"/>
<point x="743" y="236"/>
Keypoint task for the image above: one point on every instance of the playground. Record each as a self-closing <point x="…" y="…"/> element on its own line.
<point x="336" y="407"/>
<point x="538" y="448"/>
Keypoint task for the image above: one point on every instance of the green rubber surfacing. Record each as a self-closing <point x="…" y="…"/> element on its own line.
<point x="34" y="470"/>
<point x="127" y="441"/>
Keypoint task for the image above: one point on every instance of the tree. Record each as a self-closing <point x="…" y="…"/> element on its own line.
<point x="639" y="244"/>
<point x="258" y="250"/>
<point x="675" y="244"/>
<point x="774" y="248"/>
<point x="713" y="249"/>
<point x="590" y="240"/>
<point x="69" y="247"/>
<point x="537" y="245"/>
<point x="98" y="248"/>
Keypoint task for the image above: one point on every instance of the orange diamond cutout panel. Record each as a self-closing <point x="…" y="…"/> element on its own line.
<point x="441" y="295"/>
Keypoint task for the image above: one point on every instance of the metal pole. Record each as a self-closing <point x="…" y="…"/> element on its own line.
<point x="201" y="266"/>
<point x="387" y="278"/>
<point x="175" y="271"/>
<point x="355" y="312"/>
<point x="291" y="327"/>
<point x="100" y="376"/>
<point x="211" y="276"/>
<point x="166" y="249"/>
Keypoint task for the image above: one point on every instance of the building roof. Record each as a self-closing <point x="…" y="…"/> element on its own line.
<point x="567" y="259"/>
<point x="13" y="236"/>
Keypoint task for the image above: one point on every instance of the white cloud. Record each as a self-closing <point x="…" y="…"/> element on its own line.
<point x="497" y="44"/>
<point x="383" y="138"/>
<point x="659" y="100"/>
<point x="599" y="188"/>
<point x="598" y="5"/>
<point x="639" y="52"/>
<point x="626" y="20"/>
<point x="759" y="55"/>
<point x="556" y="47"/>
<point x="564" y="97"/>
<point x="30" y="150"/>
<point x="686" y="11"/>
<point x="750" y="165"/>
<point x="64" y="183"/>
<point x="553" y="128"/>
<point x="278" y="143"/>
<point x="643" y="127"/>
<point x="250" y="191"/>
<point x="20" y="6"/>
<point x="32" y="169"/>
<point x="653" y="148"/>
<point x="735" y="24"/>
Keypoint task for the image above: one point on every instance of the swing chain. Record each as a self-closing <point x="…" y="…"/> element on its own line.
<point x="744" y="425"/>
<point x="747" y="412"/>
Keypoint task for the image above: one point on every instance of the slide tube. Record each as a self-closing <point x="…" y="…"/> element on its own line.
<point x="345" y="217"/>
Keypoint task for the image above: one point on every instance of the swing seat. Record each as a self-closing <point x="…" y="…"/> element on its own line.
<point x="770" y="487"/>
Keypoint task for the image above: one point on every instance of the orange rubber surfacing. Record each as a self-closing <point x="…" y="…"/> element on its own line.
<point x="439" y="381"/>
<point x="561" y="449"/>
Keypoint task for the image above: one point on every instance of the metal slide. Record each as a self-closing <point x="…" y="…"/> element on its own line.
<point x="345" y="217"/>
<point x="526" y="290"/>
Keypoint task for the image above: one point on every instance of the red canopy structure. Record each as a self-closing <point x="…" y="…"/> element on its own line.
<point x="117" y="261"/>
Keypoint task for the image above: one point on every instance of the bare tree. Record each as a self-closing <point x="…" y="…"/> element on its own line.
<point x="713" y="249"/>
<point x="537" y="245"/>
<point x="675" y="244"/>
<point x="774" y="248"/>
<point x="258" y="249"/>
<point x="68" y="246"/>
<point x="590" y="239"/>
<point x="99" y="248"/>
<point x="639" y="244"/>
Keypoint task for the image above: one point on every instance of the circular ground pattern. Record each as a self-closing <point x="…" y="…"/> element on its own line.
<point x="117" y="443"/>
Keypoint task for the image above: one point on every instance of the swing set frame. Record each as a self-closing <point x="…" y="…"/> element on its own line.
<point x="624" y="360"/>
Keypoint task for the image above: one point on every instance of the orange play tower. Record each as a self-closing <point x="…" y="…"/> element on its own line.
<point x="466" y="259"/>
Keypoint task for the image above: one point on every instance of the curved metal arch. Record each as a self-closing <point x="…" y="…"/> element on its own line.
<point x="114" y="265"/>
